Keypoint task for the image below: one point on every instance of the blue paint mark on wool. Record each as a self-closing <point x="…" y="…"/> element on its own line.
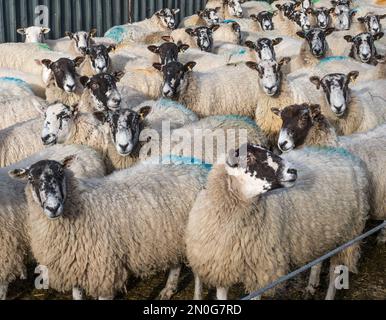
<point x="17" y="81"/>
<point x="229" y="21"/>
<point x="333" y="58"/>
<point x="116" y="33"/>
<point x="186" y="161"/>
<point x="168" y="103"/>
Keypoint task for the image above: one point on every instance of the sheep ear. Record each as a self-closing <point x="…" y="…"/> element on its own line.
<point x="254" y="17"/>
<point x="378" y="35"/>
<point x="190" y="32"/>
<point x="380" y="58"/>
<point x="315" y="110"/>
<point x="153" y="49"/>
<point x="348" y="38"/>
<point x="190" y="65"/>
<point x="215" y="27"/>
<point x="100" y="116"/>
<point x="353" y="13"/>
<point x="329" y="31"/>
<point x="21" y="31"/>
<point x="69" y="34"/>
<point x="252" y="65"/>
<point x="334" y="3"/>
<point x="200" y="13"/>
<point x="250" y="45"/>
<point x="276" y="111"/>
<point x="46" y="30"/>
<point x="331" y="10"/>
<point x="167" y="38"/>
<point x="361" y="19"/>
<point x="144" y="112"/>
<point x="352" y="76"/>
<point x="284" y="61"/>
<point x="301" y="34"/>
<point x="316" y="81"/>
<point x="276" y="41"/>
<point x="84" y="81"/>
<point x="111" y="47"/>
<point x="236" y="27"/>
<point x="175" y="11"/>
<point x="68" y="161"/>
<point x="278" y="6"/>
<point x="118" y="75"/>
<point x="47" y="63"/>
<point x="19" y="174"/>
<point x="93" y="32"/>
<point x="183" y="47"/>
<point x="158" y="66"/>
<point x="78" y="61"/>
<point x="382" y="16"/>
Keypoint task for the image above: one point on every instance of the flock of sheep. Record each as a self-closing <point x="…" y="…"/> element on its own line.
<point x="83" y="192"/>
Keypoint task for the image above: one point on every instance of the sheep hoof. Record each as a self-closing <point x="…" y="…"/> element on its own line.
<point x="166" y="294"/>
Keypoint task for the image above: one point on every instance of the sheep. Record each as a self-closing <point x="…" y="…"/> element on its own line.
<point x="74" y="43"/>
<point x="14" y="240"/>
<point x="352" y="110"/>
<point x="64" y="85"/>
<point x="137" y="224"/>
<point x="101" y="93"/>
<point x="265" y="19"/>
<point x="212" y="93"/>
<point x="363" y="48"/>
<point x="314" y="48"/>
<point x="35" y="82"/>
<point x="97" y="60"/>
<point x="115" y="134"/>
<point x="17" y="102"/>
<point x="282" y="20"/>
<point x="23" y="56"/>
<point x="162" y="20"/>
<point x="206" y="17"/>
<point x="289" y="214"/>
<point x="168" y="51"/>
<point x="264" y="47"/>
<point x="228" y="9"/>
<point x="371" y="22"/>
<point x="313" y="129"/>
<point x="34" y="34"/>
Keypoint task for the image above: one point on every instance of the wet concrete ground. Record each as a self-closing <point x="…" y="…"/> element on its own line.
<point x="369" y="283"/>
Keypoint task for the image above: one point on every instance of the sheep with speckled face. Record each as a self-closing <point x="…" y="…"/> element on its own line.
<point x="132" y="222"/>
<point x="14" y="240"/>
<point x="290" y="209"/>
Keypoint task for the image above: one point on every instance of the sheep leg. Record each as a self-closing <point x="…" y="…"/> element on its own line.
<point x="3" y="290"/>
<point x="171" y="285"/>
<point x="106" y="298"/>
<point x="222" y="294"/>
<point x="331" y="287"/>
<point x="77" y="293"/>
<point x="314" y="280"/>
<point x="197" y="288"/>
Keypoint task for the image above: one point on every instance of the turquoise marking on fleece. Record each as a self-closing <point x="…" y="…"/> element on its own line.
<point x="116" y="33"/>
<point x="19" y="82"/>
<point x="333" y="58"/>
<point x="233" y="117"/>
<point x="229" y="21"/>
<point x="168" y="103"/>
<point x="44" y="46"/>
<point x="187" y="161"/>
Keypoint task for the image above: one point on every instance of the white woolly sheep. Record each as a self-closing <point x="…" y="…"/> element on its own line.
<point x="162" y="20"/>
<point x="34" y="34"/>
<point x="17" y="102"/>
<point x="291" y="210"/>
<point x="117" y="135"/>
<point x="138" y="218"/>
<point x="14" y="240"/>
<point x="97" y="60"/>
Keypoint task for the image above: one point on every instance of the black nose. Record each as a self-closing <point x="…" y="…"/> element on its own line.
<point x="53" y="210"/>
<point x="293" y="171"/>
<point x="123" y="146"/>
<point x="71" y="87"/>
<point x="283" y="144"/>
<point x="117" y="101"/>
<point x="339" y="108"/>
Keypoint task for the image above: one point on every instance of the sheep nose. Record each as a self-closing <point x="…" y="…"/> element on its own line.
<point x="49" y="140"/>
<point x="283" y="145"/>
<point x="71" y="87"/>
<point x="293" y="171"/>
<point x="53" y="210"/>
<point x="123" y="146"/>
<point x="117" y="100"/>
<point x="339" y="108"/>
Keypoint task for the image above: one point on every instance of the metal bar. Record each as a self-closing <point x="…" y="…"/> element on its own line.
<point x="313" y="263"/>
